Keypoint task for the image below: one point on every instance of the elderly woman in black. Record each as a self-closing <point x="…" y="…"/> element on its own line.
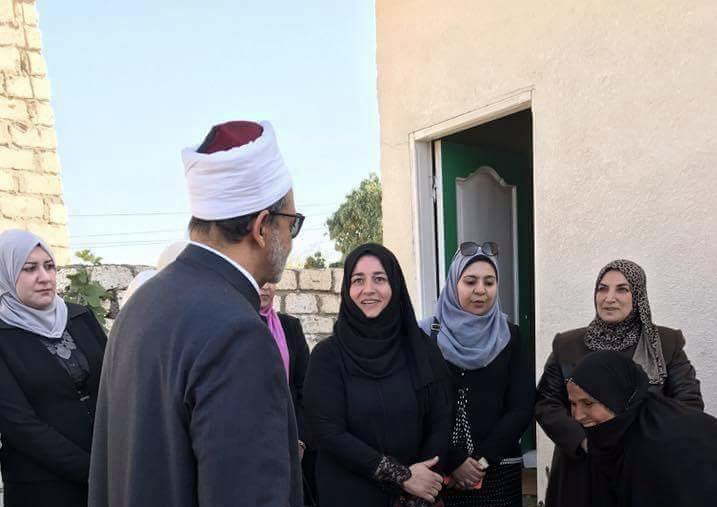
<point x="623" y="323"/>
<point x="493" y="379"/>
<point x="376" y="394"/>
<point x="50" y="361"/>
<point x="645" y="450"/>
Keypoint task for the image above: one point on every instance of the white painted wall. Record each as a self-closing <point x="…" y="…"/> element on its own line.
<point x="625" y="151"/>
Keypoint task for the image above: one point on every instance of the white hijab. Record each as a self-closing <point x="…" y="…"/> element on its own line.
<point x="15" y="247"/>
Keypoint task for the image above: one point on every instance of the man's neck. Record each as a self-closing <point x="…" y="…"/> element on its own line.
<point x="238" y="252"/>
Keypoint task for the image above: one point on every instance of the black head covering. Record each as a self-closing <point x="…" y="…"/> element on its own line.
<point x="613" y="379"/>
<point x="375" y="347"/>
<point x="619" y="384"/>
<point x="655" y="451"/>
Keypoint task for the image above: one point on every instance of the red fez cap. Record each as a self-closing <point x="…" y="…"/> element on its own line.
<point x="230" y="135"/>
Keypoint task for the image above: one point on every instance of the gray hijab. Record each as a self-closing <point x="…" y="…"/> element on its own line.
<point x="466" y="340"/>
<point x="15" y="247"/>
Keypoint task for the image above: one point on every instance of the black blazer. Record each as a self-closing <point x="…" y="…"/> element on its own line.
<point x="194" y="408"/>
<point x="298" y="363"/>
<point x="46" y="429"/>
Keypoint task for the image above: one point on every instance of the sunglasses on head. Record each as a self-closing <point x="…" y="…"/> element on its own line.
<point x="471" y="248"/>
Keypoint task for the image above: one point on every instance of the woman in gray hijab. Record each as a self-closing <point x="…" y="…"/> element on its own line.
<point x="493" y="380"/>
<point x="623" y="324"/>
<point x="50" y="361"/>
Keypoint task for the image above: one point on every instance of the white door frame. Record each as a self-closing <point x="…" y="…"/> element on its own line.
<point x="425" y="156"/>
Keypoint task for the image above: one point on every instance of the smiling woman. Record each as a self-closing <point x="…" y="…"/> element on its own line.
<point x="622" y="324"/>
<point x="376" y="394"/>
<point x="629" y="427"/>
<point x="370" y="289"/>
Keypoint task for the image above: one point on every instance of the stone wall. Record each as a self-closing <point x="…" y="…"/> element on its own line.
<point x="312" y="295"/>
<point x="30" y="186"/>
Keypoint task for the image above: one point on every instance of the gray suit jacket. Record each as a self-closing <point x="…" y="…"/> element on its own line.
<point x="194" y="408"/>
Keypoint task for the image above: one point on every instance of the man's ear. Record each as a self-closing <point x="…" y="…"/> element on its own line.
<point x="259" y="228"/>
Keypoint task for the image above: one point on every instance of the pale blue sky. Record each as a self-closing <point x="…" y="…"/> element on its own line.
<point x="135" y="82"/>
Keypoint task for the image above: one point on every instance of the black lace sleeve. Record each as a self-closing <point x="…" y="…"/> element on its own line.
<point x="390" y="470"/>
<point x="412" y="501"/>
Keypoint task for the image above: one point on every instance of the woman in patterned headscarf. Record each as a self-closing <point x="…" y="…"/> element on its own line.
<point x="623" y="323"/>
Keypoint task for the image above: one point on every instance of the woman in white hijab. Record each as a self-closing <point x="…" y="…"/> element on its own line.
<point x="494" y="389"/>
<point x="50" y="361"/>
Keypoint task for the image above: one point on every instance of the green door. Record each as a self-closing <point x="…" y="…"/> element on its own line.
<point x="459" y="161"/>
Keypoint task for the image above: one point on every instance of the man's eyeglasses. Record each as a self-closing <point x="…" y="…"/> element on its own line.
<point x="296" y="224"/>
<point x="471" y="248"/>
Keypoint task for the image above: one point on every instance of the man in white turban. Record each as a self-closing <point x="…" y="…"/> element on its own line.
<point x="194" y="408"/>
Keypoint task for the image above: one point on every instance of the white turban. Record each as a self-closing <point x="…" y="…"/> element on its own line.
<point x="238" y="181"/>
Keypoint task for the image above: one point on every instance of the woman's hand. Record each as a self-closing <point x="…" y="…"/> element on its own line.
<point x="468" y="474"/>
<point x="302" y="448"/>
<point x="424" y="483"/>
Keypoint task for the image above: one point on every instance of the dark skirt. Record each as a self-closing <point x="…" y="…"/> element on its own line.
<point x="502" y="487"/>
<point x="44" y="494"/>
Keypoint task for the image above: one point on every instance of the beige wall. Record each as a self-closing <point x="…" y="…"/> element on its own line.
<point x="30" y="186"/>
<point x="625" y="151"/>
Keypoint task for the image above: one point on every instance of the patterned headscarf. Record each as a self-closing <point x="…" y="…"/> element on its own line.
<point x="636" y="329"/>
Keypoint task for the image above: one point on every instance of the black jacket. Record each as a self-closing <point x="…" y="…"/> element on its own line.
<point x="298" y="363"/>
<point x="568" y="485"/>
<point x="194" y="407"/>
<point x="46" y="429"/>
<point x="500" y="402"/>
<point x="355" y="420"/>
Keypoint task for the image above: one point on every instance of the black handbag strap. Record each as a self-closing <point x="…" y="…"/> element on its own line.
<point x="435" y="329"/>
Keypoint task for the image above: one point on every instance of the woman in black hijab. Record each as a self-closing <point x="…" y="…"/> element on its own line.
<point x="376" y="394"/>
<point x="644" y="450"/>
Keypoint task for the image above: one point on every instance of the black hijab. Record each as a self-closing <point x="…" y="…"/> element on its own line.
<point x="376" y="347"/>
<point x="655" y="452"/>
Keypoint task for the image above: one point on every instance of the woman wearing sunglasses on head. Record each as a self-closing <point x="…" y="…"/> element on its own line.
<point x="376" y="397"/>
<point x="645" y="450"/>
<point x="494" y="387"/>
<point x="623" y="323"/>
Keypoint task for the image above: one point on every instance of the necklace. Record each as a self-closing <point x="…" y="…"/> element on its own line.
<point x="62" y="348"/>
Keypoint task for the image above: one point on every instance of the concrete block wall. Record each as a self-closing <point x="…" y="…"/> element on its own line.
<point x="311" y="295"/>
<point x="30" y="186"/>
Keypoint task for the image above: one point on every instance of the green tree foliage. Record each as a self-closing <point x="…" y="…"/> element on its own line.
<point x="88" y="257"/>
<point x="315" y="261"/>
<point x="84" y="291"/>
<point x="358" y="220"/>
